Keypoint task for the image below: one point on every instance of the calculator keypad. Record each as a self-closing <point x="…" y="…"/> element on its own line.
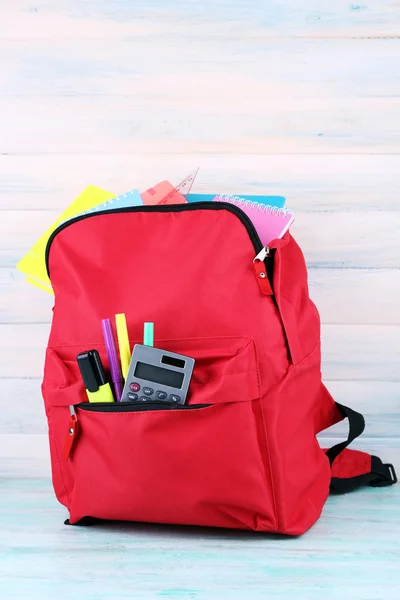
<point x="150" y="394"/>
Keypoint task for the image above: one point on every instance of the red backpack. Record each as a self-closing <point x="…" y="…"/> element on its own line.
<point x="242" y="452"/>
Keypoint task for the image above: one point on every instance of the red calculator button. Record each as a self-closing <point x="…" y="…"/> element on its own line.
<point x="134" y="387"/>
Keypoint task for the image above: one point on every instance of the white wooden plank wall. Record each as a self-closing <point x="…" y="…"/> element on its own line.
<point x="293" y="98"/>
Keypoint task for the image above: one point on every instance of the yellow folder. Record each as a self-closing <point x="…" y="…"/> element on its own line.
<point x="33" y="264"/>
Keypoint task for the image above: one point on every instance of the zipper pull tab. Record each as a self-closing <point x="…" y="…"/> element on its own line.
<point x="71" y="433"/>
<point x="261" y="271"/>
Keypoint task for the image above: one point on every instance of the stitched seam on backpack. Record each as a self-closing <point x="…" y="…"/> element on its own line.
<point x="308" y="355"/>
<point x="316" y="345"/>
<point x="58" y="461"/>
<point x="267" y="444"/>
<point x="194" y="339"/>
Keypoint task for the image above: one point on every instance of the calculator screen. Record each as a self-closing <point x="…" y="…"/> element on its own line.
<point x="159" y="375"/>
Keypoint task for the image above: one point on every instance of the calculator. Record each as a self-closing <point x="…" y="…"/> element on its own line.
<point x="157" y="375"/>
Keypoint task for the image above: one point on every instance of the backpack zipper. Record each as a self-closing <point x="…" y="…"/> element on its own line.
<point x="263" y="274"/>
<point x="73" y="428"/>
<point x="246" y="221"/>
<point x="113" y="407"/>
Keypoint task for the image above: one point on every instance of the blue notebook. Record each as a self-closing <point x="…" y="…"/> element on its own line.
<point x="278" y="201"/>
<point x="131" y="198"/>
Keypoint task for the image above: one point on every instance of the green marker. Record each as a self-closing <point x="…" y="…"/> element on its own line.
<point x="148" y="336"/>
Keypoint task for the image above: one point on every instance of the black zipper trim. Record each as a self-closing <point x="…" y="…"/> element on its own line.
<point x="116" y="407"/>
<point x="246" y="221"/>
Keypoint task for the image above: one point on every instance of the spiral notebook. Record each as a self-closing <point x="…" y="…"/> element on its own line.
<point x="278" y="201"/>
<point x="271" y="222"/>
<point x="125" y="200"/>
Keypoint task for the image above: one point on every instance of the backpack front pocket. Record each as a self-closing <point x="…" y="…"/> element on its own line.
<point x="205" y="463"/>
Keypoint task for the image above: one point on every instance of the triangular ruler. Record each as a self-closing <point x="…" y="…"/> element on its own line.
<point x="186" y="185"/>
<point x="179" y="193"/>
<point x="183" y="190"/>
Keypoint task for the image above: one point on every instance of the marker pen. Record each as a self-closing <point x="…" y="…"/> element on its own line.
<point x="97" y="387"/>
<point x="115" y="369"/>
<point x="123" y="343"/>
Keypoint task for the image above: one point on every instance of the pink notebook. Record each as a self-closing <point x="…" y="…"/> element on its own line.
<point x="270" y="222"/>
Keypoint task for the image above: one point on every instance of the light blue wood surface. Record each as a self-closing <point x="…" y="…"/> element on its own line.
<point x="352" y="552"/>
<point x="287" y="97"/>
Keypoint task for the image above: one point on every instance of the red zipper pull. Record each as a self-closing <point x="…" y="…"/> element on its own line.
<point x="71" y="434"/>
<point x="261" y="272"/>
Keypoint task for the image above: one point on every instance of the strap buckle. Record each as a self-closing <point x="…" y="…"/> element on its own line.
<point x="385" y="476"/>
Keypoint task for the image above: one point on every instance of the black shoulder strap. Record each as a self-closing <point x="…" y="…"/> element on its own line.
<point x="352" y="469"/>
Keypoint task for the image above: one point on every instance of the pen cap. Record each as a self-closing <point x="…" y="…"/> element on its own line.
<point x="148" y="334"/>
<point x="123" y="342"/>
<point x="91" y="369"/>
